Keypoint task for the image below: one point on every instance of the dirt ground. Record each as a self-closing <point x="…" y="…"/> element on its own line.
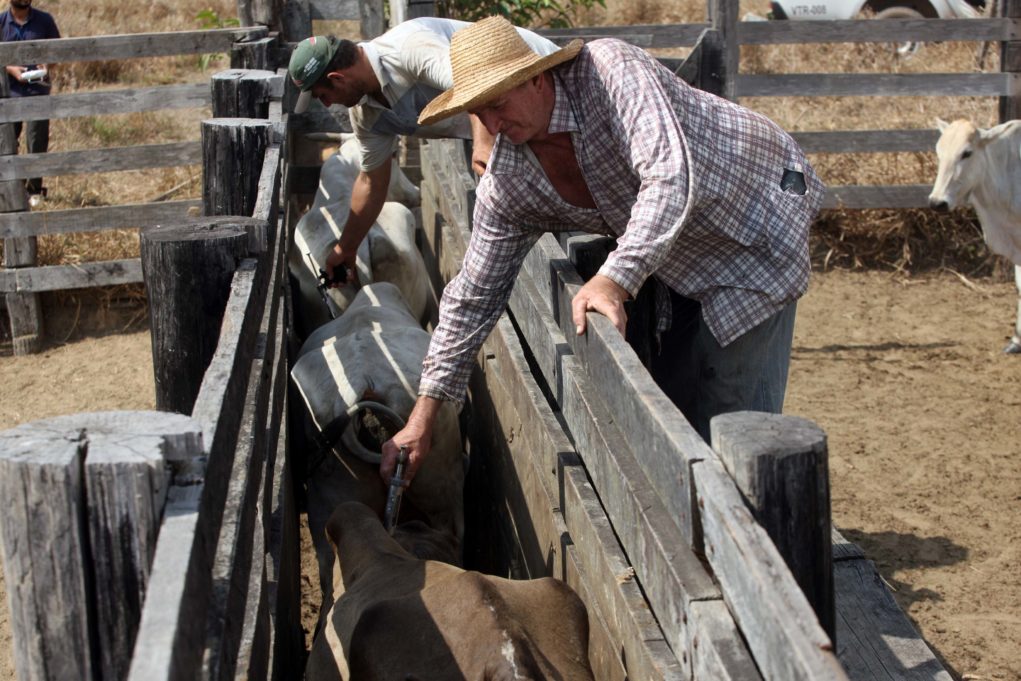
<point x="922" y="411"/>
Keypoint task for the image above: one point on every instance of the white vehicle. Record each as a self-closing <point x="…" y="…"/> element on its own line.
<point x="815" y="10"/>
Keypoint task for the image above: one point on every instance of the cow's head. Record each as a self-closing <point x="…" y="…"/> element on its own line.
<point x="961" y="167"/>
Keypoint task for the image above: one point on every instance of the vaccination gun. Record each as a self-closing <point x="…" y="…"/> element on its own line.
<point x="393" y="498"/>
<point x="324" y="283"/>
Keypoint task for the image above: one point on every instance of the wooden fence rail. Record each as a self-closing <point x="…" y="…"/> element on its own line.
<point x="1005" y="85"/>
<point x="23" y="280"/>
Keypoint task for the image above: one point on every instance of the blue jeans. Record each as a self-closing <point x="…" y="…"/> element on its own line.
<point x="704" y="379"/>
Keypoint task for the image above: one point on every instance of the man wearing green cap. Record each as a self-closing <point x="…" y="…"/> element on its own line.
<point x="386" y="83"/>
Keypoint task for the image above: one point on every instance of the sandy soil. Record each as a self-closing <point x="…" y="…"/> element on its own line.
<point x="906" y="377"/>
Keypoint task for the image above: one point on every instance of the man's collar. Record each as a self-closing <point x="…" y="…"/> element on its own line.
<point x="372" y="55"/>
<point x="562" y="119"/>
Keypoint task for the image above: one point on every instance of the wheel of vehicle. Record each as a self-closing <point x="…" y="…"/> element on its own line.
<point x="905" y="49"/>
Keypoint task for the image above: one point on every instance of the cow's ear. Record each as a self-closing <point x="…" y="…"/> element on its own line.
<point x="941" y="124"/>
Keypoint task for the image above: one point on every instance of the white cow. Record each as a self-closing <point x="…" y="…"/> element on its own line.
<point x="374" y="351"/>
<point x="983" y="168"/>
<point x="337" y="177"/>
<point x="388" y="252"/>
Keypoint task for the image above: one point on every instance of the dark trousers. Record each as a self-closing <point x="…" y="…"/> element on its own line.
<point x="37" y="141"/>
<point x="704" y="379"/>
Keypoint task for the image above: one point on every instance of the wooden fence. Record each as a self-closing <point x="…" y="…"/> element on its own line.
<point x="157" y="545"/>
<point x="730" y="34"/>
<point x="596" y="478"/>
<point x="21" y="280"/>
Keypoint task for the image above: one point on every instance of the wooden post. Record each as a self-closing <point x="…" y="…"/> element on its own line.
<point x="254" y="54"/>
<point x="398" y="12"/>
<point x="703" y="67"/>
<point x="23" y="309"/>
<point x="1010" y="62"/>
<point x="723" y="19"/>
<point x="421" y="8"/>
<point x="243" y="93"/>
<point x="232" y="153"/>
<point x="373" y="23"/>
<point x="83" y="498"/>
<point x="261" y="13"/>
<point x="188" y="271"/>
<point x="780" y="464"/>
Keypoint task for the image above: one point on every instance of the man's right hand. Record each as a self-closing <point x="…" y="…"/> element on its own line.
<point x="416" y="436"/>
<point x="338" y="256"/>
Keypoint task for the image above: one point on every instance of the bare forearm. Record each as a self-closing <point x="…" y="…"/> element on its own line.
<point x="367" y="198"/>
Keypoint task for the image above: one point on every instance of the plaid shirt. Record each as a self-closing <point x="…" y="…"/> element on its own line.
<point x="689" y="183"/>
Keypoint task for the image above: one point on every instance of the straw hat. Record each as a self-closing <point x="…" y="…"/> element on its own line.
<point x="487" y="59"/>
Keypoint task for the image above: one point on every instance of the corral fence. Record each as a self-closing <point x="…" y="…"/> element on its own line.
<point x="21" y="280"/>
<point x="164" y="546"/>
<point x="719" y="41"/>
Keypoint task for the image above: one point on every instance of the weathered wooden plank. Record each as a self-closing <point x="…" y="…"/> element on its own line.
<point x="718" y="651"/>
<point x="843" y="549"/>
<point x="895" y="196"/>
<point x="1010" y="62"/>
<point x="38" y="223"/>
<point x="723" y="16"/>
<point x="89" y="527"/>
<point x="267" y="199"/>
<point x="541" y="444"/>
<point x="169" y="644"/>
<point x="105" y="102"/>
<point x="669" y="445"/>
<point x="887" y="30"/>
<point x="642" y="35"/>
<point x="778" y="624"/>
<point x="110" y="159"/>
<point x="602" y="646"/>
<point x="130" y="46"/>
<point x="875" y="639"/>
<point x="877" y="85"/>
<point x="864" y="141"/>
<point x="231" y="605"/>
<point x="62" y="277"/>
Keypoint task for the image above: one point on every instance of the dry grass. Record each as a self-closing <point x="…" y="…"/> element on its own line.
<point x="906" y="240"/>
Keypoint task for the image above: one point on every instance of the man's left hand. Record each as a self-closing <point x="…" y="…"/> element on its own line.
<point x="603" y="295"/>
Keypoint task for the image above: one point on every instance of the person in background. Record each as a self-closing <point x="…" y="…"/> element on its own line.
<point x="711" y="199"/>
<point x="386" y="82"/>
<point x="24" y="22"/>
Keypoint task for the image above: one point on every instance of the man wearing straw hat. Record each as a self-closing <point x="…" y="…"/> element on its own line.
<point x="711" y="199"/>
<point x="386" y="82"/>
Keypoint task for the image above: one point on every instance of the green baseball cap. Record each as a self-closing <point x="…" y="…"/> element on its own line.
<point x="308" y="64"/>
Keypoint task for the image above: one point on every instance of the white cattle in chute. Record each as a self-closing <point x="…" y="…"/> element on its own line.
<point x="388" y="252"/>
<point x="374" y="351"/>
<point x="982" y="168"/>
<point x="337" y="177"/>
